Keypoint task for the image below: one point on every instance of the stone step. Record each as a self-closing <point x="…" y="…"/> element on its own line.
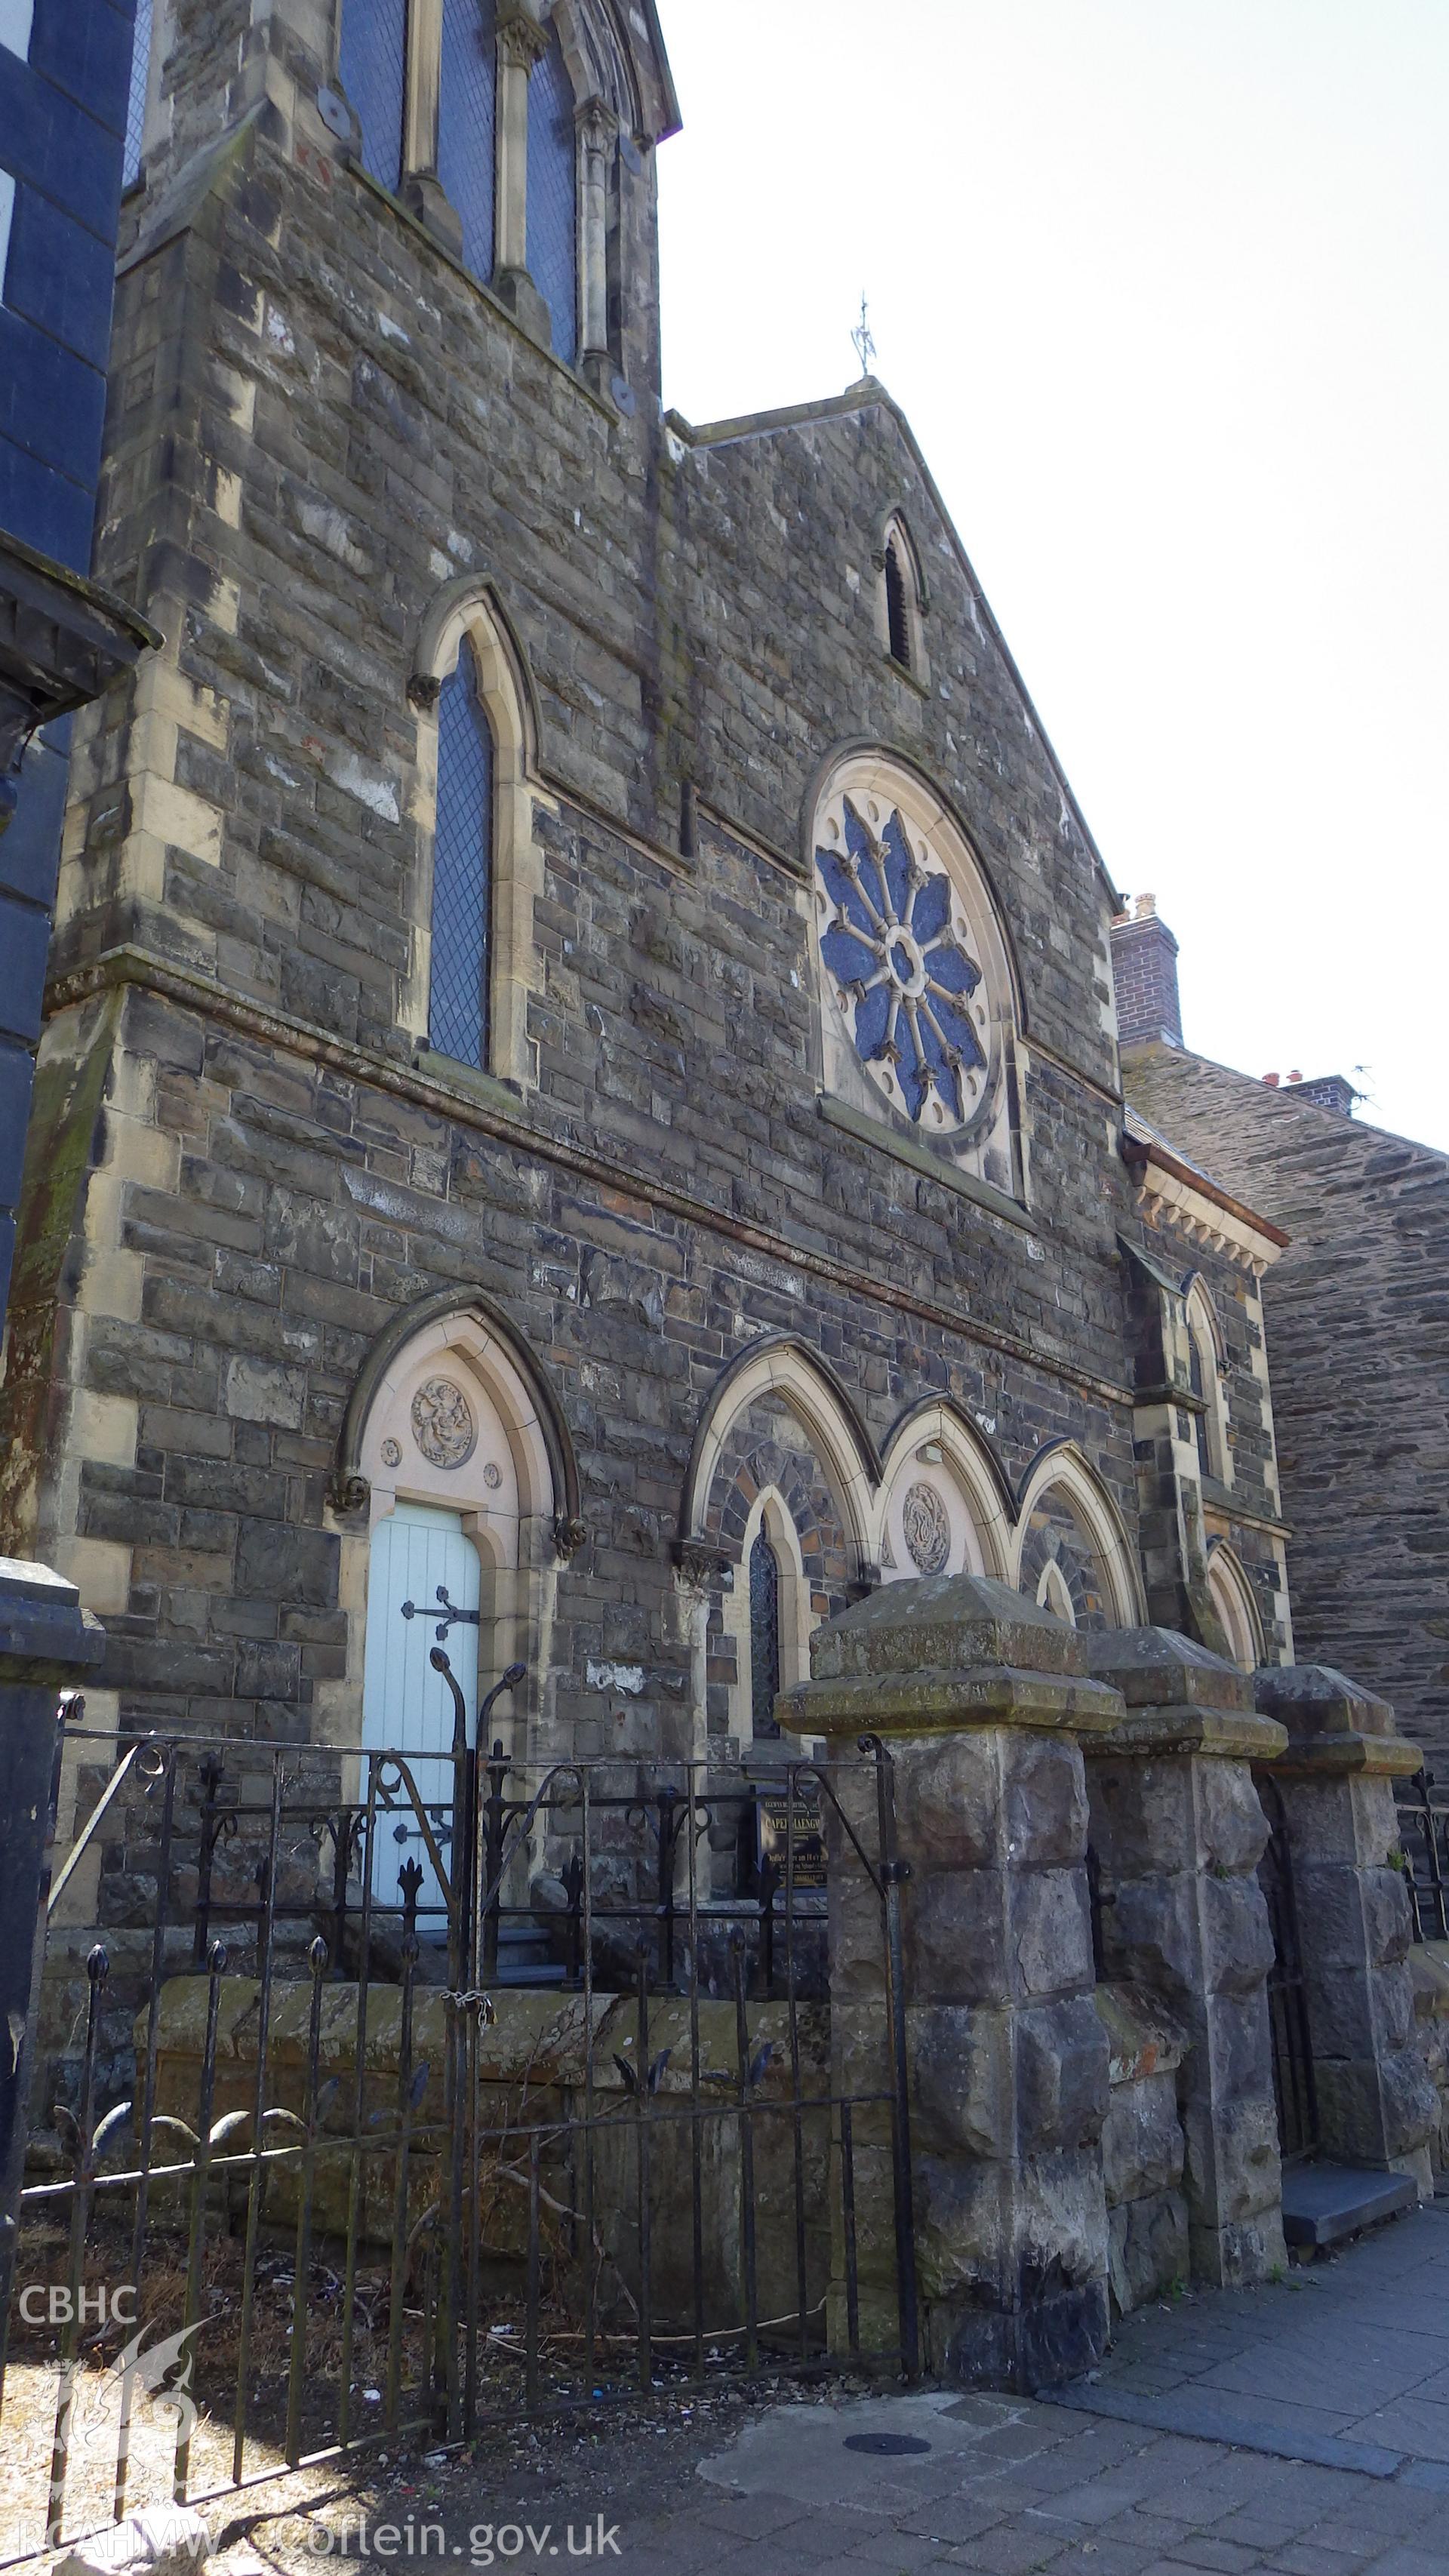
<point x="524" y="1958"/>
<point x="1324" y="2203"/>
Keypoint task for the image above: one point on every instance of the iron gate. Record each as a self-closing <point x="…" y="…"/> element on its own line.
<point x="323" y="2178"/>
<point x="1423" y="1818"/>
<point x="1293" y="2082"/>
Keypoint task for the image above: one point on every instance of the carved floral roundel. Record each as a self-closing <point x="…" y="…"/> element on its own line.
<point x="927" y="1529"/>
<point x="902" y="963"/>
<point x="443" y="1424"/>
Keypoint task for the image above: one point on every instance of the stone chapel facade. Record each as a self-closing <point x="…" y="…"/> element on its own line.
<point x="580" y="1083"/>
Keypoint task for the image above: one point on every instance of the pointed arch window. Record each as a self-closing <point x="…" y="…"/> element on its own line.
<point x="467" y="119"/>
<point x="371" y="62"/>
<point x="468" y="110"/>
<point x="137" y="94"/>
<point x="897" y="614"/>
<point x="764" y="1635"/>
<point x="1236" y="1607"/>
<point x="901" y="607"/>
<point x="1205" y="1377"/>
<point x="1198" y="1381"/>
<point x="553" y="220"/>
<point x="1054" y="1593"/>
<point x="462" y="919"/>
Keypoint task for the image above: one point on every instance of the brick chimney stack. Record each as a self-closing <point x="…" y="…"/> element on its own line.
<point x="1144" y="968"/>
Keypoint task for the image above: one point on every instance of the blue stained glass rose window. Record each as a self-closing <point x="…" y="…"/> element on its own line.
<point x="898" y="952"/>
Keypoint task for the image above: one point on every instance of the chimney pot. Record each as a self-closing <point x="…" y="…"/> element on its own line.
<point x="1270" y="1081"/>
<point x="1145" y="907"/>
<point x="1295" y="1075"/>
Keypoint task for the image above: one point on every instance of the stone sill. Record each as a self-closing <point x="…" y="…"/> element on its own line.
<point x="912" y="679"/>
<point x="404" y="214"/>
<point x="452" y="1074"/>
<point x="853" y="1122"/>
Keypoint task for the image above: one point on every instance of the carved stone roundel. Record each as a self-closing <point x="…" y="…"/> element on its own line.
<point x="927" y="1528"/>
<point x="443" y="1424"/>
<point x="392" y="1453"/>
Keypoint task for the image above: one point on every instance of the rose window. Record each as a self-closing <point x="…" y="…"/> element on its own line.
<point x="900" y="959"/>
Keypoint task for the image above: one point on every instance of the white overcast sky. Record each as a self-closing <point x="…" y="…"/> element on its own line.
<point x="1163" y="287"/>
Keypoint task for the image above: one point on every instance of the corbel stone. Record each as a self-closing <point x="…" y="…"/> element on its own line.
<point x="979" y="1698"/>
<point x="1178" y="1831"/>
<point x="1376" y="2102"/>
<point x="569" y="1536"/>
<point x="702" y="1568"/>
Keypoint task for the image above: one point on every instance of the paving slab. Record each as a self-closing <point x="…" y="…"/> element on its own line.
<point x="1332" y="2459"/>
<point x="1319" y="2365"/>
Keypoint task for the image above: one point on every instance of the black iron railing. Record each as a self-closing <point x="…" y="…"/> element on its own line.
<point x="357" y="2193"/>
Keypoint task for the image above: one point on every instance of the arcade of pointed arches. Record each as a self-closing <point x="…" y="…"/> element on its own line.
<point x="937" y="1502"/>
<point x="789" y="1513"/>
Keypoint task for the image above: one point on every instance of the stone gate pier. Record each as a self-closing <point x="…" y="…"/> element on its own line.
<point x="1375" y="2103"/>
<point x="1085" y="1952"/>
<point x="982" y="1702"/>
<point x="1178" y="1831"/>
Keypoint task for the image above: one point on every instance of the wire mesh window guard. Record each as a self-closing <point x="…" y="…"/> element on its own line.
<point x="136" y="96"/>
<point x="897" y="617"/>
<point x="764" y="1636"/>
<point x="289" y="2130"/>
<point x="552" y="197"/>
<point x="372" y="64"/>
<point x="467" y="101"/>
<point x="462" y="870"/>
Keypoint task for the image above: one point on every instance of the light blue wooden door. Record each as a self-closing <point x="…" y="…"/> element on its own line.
<point x="423" y="1570"/>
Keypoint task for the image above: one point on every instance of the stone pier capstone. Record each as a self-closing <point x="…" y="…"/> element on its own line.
<point x="1178" y="1831"/>
<point x="1376" y="2102"/>
<point x="979" y="1698"/>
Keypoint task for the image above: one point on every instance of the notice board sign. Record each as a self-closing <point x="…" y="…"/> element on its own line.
<point x="781" y="1823"/>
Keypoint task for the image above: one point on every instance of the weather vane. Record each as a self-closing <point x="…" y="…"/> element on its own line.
<point x="863" y="338"/>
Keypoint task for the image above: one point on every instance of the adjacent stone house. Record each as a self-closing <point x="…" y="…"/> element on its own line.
<point x="1359" y="1329"/>
<point x="580" y="1090"/>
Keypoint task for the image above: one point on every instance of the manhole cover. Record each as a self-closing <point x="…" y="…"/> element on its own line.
<point x="893" y="2445"/>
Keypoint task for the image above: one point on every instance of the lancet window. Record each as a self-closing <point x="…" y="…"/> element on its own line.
<point x="458" y="1002"/>
<point x="473" y="99"/>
